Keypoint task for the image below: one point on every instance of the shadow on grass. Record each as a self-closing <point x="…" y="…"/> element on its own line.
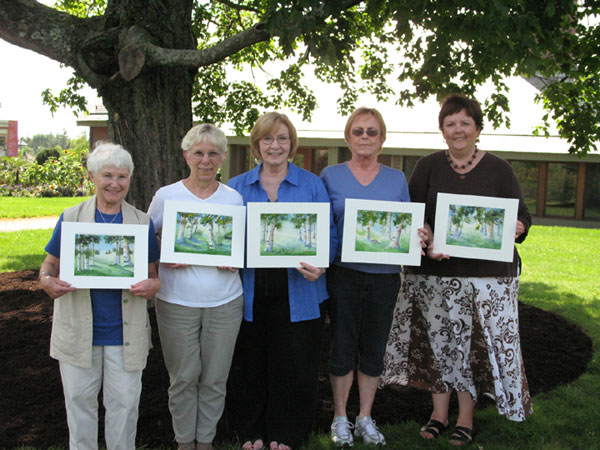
<point x="21" y="262"/>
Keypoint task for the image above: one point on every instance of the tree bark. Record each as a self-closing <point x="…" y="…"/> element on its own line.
<point x="141" y="57"/>
<point x="149" y="116"/>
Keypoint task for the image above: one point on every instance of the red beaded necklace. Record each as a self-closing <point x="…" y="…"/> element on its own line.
<point x="463" y="166"/>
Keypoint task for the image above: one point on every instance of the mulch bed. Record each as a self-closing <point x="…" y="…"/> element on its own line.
<point x="32" y="409"/>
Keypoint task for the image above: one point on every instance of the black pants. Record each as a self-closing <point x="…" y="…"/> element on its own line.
<point x="272" y="389"/>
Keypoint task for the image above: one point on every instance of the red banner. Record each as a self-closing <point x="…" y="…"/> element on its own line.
<point x="12" y="138"/>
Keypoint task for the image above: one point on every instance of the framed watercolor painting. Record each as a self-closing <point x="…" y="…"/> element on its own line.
<point x="203" y="234"/>
<point x="101" y="256"/>
<point x="382" y="232"/>
<point x="476" y="227"/>
<point x="285" y="234"/>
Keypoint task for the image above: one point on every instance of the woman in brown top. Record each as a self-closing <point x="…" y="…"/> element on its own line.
<point x="456" y="322"/>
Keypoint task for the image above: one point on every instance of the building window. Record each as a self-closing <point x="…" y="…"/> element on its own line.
<point x="591" y="197"/>
<point x="561" y="188"/>
<point x="312" y="159"/>
<point x="303" y="159"/>
<point x="321" y="160"/>
<point x="393" y="161"/>
<point x="409" y="165"/>
<point x="241" y="160"/>
<point x="528" y="174"/>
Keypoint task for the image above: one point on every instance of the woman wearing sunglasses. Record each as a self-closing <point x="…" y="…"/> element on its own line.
<point x="362" y="296"/>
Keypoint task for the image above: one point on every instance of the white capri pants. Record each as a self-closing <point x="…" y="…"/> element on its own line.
<point x="121" y="398"/>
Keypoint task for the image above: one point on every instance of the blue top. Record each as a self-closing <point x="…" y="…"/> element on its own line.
<point x="299" y="185"/>
<point x="106" y="303"/>
<point x="389" y="185"/>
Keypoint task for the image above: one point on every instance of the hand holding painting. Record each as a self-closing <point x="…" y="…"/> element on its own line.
<point x="53" y="286"/>
<point x="520" y="229"/>
<point x="175" y="265"/>
<point x="149" y="287"/>
<point x="310" y="273"/>
<point x="426" y="235"/>
<point x="146" y="288"/>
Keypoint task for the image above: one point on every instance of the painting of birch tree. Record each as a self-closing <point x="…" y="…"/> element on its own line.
<point x="382" y="231"/>
<point x="104" y="255"/>
<point x="471" y="226"/>
<point x="208" y="234"/>
<point x="288" y="234"/>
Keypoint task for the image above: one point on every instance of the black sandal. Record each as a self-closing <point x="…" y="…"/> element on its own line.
<point x="461" y="436"/>
<point x="433" y="427"/>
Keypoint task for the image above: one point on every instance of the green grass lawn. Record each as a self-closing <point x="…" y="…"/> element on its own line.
<point x="560" y="274"/>
<point x="18" y="207"/>
<point x="21" y="250"/>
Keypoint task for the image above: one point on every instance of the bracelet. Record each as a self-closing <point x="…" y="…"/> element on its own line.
<point x="44" y="274"/>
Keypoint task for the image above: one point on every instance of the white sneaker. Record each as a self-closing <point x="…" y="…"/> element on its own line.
<point x="366" y="429"/>
<point x="341" y="432"/>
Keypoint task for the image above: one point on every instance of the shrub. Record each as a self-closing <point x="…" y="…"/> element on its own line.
<point x="10" y="168"/>
<point x="58" y="177"/>
<point x="43" y="156"/>
<point x="55" y="173"/>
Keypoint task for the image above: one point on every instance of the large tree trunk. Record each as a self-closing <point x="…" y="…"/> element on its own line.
<point x="149" y="116"/>
<point x="141" y="57"/>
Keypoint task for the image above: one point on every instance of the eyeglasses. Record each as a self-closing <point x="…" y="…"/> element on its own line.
<point x="281" y="140"/>
<point x="358" y="132"/>
<point x="212" y="155"/>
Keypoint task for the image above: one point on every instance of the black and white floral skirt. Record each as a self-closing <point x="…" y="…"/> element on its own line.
<point x="462" y="334"/>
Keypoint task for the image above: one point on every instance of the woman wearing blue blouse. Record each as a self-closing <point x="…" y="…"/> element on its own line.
<point x="272" y="390"/>
<point x="362" y="296"/>
<point x="101" y="337"/>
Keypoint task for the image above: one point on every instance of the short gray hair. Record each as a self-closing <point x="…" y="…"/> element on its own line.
<point x="205" y="132"/>
<point x="108" y="154"/>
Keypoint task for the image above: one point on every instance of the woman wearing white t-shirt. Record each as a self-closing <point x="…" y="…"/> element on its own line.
<point x="199" y="308"/>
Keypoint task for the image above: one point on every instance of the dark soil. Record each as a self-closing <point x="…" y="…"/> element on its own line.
<point x="32" y="409"/>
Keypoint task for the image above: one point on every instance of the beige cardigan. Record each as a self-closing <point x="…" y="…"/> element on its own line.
<point x="71" y="338"/>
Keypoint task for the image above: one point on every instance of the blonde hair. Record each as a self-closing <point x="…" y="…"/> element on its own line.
<point x="266" y="124"/>
<point x="363" y="110"/>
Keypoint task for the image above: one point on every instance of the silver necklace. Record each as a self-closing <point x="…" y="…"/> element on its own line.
<point x="113" y="219"/>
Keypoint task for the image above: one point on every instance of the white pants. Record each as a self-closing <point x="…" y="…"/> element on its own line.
<point x="121" y="397"/>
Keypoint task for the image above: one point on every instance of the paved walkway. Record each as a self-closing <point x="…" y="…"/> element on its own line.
<point x="33" y="223"/>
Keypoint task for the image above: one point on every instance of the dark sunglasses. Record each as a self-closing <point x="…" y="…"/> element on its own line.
<point x="370" y="132"/>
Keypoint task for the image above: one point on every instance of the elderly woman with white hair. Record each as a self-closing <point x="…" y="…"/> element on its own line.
<point x="199" y="308"/>
<point x="94" y="344"/>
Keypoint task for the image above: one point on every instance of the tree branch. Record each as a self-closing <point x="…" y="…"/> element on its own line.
<point x="138" y="50"/>
<point x="31" y="25"/>
<point x="238" y="7"/>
